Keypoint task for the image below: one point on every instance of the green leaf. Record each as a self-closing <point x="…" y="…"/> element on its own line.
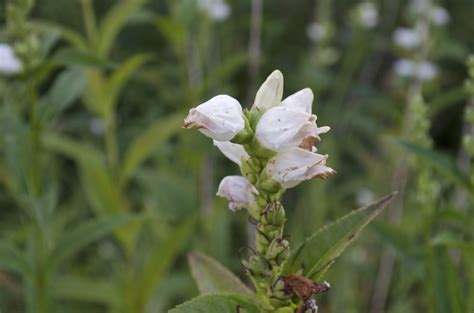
<point x="162" y="256"/>
<point x="85" y="234"/>
<point x="113" y="22"/>
<point x="443" y="281"/>
<point x="71" y="36"/>
<point x="12" y="259"/>
<point x="445" y="164"/>
<point x="66" y="89"/>
<point x="211" y="276"/>
<point x="117" y="80"/>
<point x="85" y="289"/>
<point x="102" y="191"/>
<point x="145" y="143"/>
<point x="318" y="251"/>
<point x="217" y="303"/>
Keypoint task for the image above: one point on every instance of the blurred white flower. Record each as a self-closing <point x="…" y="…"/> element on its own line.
<point x="316" y="31"/>
<point x="97" y="126"/>
<point x="404" y="67"/>
<point x="407" y="38"/>
<point x="232" y="151"/>
<point x="270" y="93"/>
<point x="291" y="124"/>
<point x="364" y="197"/>
<point x="423" y="70"/>
<point x="366" y="14"/>
<point x="426" y="70"/>
<point x="218" y="10"/>
<point x="294" y="165"/>
<point x="9" y="63"/>
<point x="219" y="118"/>
<point x="238" y="190"/>
<point x="439" y="16"/>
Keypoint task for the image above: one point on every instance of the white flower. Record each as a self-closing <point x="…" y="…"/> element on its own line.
<point x="218" y="10"/>
<point x="292" y="166"/>
<point x="406" y="38"/>
<point x="9" y="63"/>
<point x="291" y="124"/>
<point x="238" y="190"/>
<point x="426" y="71"/>
<point x="404" y="67"/>
<point x="270" y="93"/>
<point x="364" y="197"/>
<point x="423" y="70"/>
<point x="219" y="118"/>
<point x="316" y="31"/>
<point x="232" y="151"/>
<point x="367" y="15"/>
<point x="439" y="16"/>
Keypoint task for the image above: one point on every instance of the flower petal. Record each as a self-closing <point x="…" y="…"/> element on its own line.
<point x="232" y="151"/>
<point x="270" y="93"/>
<point x="300" y="101"/>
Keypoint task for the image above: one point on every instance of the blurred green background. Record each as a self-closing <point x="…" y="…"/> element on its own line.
<point x="103" y="194"/>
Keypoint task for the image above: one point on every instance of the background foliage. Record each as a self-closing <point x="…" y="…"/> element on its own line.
<point x="103" y="195"/>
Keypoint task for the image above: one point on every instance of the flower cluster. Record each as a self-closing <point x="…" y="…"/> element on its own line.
<point x="273" y="144"/>
<point x="282" y="133"/>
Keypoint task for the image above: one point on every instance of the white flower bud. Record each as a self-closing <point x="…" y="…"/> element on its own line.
<point x="219" y="118"/>
<point x="292" y="166"/>
<point x="282" y="127"/>
<point x="232" y="151"/>
<point x="9" y="63"/>
<point x="270" y="93"/>
<point x="238" y="190"/>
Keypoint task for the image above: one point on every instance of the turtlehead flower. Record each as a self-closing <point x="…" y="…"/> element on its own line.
<point x="234" y="152"/>
<point x="407" y="38"/>
<point x="291" y="124"/>
<point x="292" y="166"/>
<point x="238" y="190"/>
<point x="219" y="118"/>
<point x="270" y="93"/>
<point x="366" y="15"/>
<point x="9" y="62"/>
<point x="217" y="10"/>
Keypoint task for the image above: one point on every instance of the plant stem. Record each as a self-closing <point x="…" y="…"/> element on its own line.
<point x="111" y="142"/>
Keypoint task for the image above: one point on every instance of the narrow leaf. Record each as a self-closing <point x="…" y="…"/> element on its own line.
<point x="85" y="234"/>
<point x="161" y="258"/>
<point x="12" y="259"/>
<point x="142" y="147"/>
<point x="113" y="22"/>
<point x="66" y="89"/>
<point x="217" y="303"/>
<point x="445" y="164"/>
<point x="85" y="289"/>
<point x="318" y="251"/>
<point x="211" y="276"/>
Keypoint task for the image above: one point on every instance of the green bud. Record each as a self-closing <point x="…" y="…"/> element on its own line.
<point x="258" y="265"/>
<point x="259" y="151"/>
<point x="277" y="247"/>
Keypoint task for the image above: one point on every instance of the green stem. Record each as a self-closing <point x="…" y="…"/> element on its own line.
<point x="111" y="142"/>
<point x="34" y="138"/>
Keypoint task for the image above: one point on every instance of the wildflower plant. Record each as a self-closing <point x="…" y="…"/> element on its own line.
<point x="273" y="144"/>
